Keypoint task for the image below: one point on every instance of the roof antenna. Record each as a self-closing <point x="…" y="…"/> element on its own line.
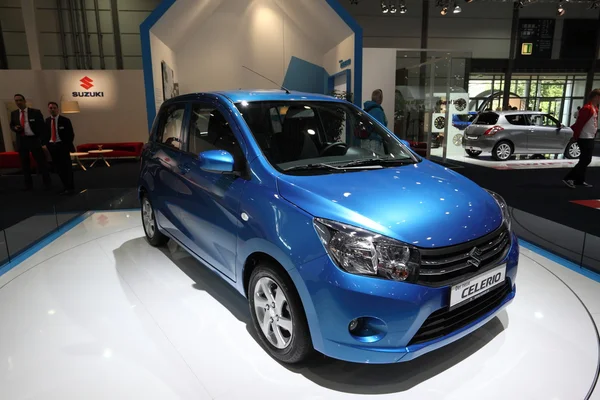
<point x="270" y="80"/>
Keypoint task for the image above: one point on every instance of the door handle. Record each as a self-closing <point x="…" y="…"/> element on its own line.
<point x="184" y="168"/>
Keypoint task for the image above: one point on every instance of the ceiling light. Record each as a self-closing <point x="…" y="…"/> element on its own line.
<point x="457" y="9"/>
<point x="403" y="9"/>
<point x="444" y="11"/>
<point x="468" y="1"/>
<point x="393" y="9"/>
<point x="561" y="10"/>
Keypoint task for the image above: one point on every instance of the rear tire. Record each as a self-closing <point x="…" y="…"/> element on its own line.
<point x="153" y="235"/>
<point x="572" y="151"/>
<point x="473" y="153"/>
<point x="283" y="329"/>
<point x="502" y="151"/>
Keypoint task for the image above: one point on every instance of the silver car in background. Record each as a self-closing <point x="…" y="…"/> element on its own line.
<point x="504" y="133"/>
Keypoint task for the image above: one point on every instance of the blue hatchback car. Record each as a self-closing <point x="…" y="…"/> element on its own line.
<point x="342" y="239"/>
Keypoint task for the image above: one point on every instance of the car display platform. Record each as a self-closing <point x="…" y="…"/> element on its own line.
<point x="99" y="314"/>
<point x="514" y="163"/>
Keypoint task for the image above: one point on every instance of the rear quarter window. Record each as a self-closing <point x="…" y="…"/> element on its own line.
<point x="486" y="119"/>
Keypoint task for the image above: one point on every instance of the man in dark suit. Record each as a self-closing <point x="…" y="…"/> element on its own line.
<point x="28" y="124"/>
<point x="60" y="143"/>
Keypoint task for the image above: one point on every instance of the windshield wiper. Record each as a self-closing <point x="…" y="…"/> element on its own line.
<point x="329" y="167"/>
<point x="378" y="161"/>
<point x="313" y="166"/>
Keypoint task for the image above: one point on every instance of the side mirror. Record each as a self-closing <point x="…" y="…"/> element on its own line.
<point x="405" y="142"/>
<point x="218" y="161"/>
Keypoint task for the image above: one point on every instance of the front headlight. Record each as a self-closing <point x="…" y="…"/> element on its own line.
<point x="361" y="252"/>
<point x="503" y="206"/>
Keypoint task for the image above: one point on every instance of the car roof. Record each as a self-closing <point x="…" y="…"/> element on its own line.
<point x="259" y="95"/>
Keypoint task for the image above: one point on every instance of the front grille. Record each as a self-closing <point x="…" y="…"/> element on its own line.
<point x="446" y="321"/>
<point x="449" y="265"/>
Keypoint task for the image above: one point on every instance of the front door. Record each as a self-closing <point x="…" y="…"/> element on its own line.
<point x="545" y="134"/>
<point x="211" y="207"/>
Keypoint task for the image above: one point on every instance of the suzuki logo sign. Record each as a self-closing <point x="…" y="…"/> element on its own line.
<point x="87" y="84"/>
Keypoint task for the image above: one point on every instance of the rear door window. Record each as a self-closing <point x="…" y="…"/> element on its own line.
<point x="517" y="119"/>
<point x="486" y="119"/>
<point x="543" y="120"/>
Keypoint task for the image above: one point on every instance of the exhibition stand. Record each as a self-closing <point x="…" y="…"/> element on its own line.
<point x="213" y="45"/>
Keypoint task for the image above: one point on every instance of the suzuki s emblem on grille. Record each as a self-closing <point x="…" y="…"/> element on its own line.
<point x="475" y="257"/>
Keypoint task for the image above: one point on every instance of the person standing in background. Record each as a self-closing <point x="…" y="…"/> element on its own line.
<point x="60" y="143"/>
<point x="28" y="124"/>
<point x="584" y="131"/>
<point x="374" y="108"/>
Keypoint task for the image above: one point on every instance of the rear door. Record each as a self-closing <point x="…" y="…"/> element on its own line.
<point x="164" y="161"/>
<point x="545" y="134"/>
<point x="481" y="124"/>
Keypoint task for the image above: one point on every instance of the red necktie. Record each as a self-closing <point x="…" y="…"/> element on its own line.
<point x="23" y="122"/>
<point x="53" y="139"/>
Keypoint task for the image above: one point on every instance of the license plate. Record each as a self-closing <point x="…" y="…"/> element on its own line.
<point x="475" y="287"/>
<point x="472" y="137"/>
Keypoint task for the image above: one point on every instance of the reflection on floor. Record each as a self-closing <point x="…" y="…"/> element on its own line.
<point x="100" y="314"/>
<point x="588" y="203"/>
<point x="485" y="160"/>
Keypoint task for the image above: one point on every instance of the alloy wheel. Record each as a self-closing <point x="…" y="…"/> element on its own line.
<point x="148" y="218"/>
<point x="574" y="150"/>
<point x="457" y="139"/>
<point x="273" y="312"/>
<point x="503" y="151"/>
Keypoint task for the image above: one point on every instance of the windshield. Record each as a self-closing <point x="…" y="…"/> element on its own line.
<point x="321" y="137"/>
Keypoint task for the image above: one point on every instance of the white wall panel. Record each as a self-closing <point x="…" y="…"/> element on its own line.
<point x="379" y="72"/>
<point x="118" y="116"/>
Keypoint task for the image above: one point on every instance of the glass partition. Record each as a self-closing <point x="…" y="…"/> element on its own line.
<point x="432" y="105"/>
<point x="46" y="219"/>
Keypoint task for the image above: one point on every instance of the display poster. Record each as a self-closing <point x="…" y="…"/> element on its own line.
<point x="535" y="38"/>
<point x="170" y="88"/>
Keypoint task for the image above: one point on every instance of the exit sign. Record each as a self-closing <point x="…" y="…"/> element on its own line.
<point x="527" y="49"/>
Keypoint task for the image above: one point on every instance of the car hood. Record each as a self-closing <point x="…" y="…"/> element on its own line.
<point x="422" y="204"/>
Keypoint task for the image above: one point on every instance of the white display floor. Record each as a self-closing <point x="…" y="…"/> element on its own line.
<point x="99" y="314"/>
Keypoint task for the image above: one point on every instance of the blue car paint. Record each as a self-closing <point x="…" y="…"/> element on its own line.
<point x="423" y="203"/>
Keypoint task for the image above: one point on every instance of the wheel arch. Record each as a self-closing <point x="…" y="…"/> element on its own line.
<point x="257" y="250"/>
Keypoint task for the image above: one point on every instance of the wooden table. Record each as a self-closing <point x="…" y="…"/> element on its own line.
<point x="100" y="156"/>
<point x="75" y="156"/>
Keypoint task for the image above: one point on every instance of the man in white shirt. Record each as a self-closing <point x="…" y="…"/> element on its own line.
<point x="28" y="124"/>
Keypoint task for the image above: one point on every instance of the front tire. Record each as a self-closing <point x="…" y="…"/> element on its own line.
<point x="277" y="315"/>
<point x="153" y="235"/>
<point x="573" y="151"/>
<point x="473" y="153"/>
<point x="502" y="151"/>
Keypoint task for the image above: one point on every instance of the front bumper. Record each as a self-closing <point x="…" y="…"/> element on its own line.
<point x="482" y="143"/>
<point x="333" y="298"/>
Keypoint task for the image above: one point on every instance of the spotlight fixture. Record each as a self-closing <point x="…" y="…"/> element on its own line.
<point x="384" y="8"/>
<point x="444" y="11"/>
<point x="468" y="1"/>
<point x="393" y="8"/>
<point x="595" y="5"/>
<point x="457" y="9"/>
<point x="561" y="10"/>
<point x="403" y="9"/>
